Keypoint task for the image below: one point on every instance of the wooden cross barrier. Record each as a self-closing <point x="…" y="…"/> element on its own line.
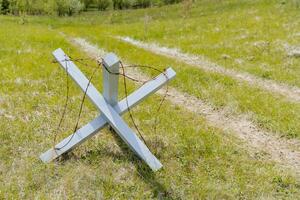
<point x="111" y="109"/>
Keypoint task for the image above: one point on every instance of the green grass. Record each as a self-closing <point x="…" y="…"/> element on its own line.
<point x="252" y="34"/>
<point x="211" y="29"/>
<point x="271" y="112"/>
<point x="199" y="161"/>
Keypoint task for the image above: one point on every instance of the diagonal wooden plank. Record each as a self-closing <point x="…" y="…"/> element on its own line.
<point x="114" y="119"/>
<point x="99" y="122"/>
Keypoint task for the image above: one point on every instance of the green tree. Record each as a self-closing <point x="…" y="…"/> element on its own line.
<point x="4" y="7"/>
<point x="171" y="1"/>
<point x="142" y="3"/>
<point x="122" y="4"/>
<point x="103" y="4"/>
<point x="87" y="3"/>
<point x="68" y="7"/>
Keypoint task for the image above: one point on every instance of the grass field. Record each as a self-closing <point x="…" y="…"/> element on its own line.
<point x="201" y="161"/>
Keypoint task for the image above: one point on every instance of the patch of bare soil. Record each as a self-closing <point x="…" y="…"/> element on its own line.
<point x="292" y="51"/>
<point x="289" y="92"/>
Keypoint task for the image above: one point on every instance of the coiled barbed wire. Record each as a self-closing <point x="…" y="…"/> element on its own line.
<point x="125" y="76"/>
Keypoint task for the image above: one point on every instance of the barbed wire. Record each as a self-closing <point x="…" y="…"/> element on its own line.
<point x="125" y="76"/>
<point x="164" y="96"/>
<point x="166" y="91"/>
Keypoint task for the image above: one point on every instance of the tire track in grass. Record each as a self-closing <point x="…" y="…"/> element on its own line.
<point x="291" y="93"/>
<point x="286" y="153"/>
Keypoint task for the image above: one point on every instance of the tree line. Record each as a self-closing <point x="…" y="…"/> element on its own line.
<point x="71" y="7"/>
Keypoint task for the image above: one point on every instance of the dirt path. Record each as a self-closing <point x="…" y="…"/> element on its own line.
<point x="291" y="93"/>
<point x="285" y="152"/>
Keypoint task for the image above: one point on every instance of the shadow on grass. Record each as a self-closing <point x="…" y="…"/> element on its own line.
<point x="159" y="190"/>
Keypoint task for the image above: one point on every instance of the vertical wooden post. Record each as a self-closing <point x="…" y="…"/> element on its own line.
<point x="110" y="80"/>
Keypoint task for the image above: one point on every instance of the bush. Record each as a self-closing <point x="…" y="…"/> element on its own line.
<point x="68" y="7"/>
<point x="103" y="4"/>
<point x="38" y="7"/>
<point x="32" y="7"/>
<point x="127" y="4"/>
<point x="122" y="4"/>
<point x="171" y="1"/>
<point x="87" y="3"/>
<point x="4" y="6"/>
<point x="142" y="4"/>
<point x="117" y="4"/>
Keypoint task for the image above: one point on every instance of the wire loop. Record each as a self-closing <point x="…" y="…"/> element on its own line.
<point x="123" y="74"/>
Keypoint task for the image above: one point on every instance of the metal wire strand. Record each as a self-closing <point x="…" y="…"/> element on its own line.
<point x="80" y="109"/>
<point x="129" y="110"/>
<point x="165" y="94"/>
<point x="123" y="74"/>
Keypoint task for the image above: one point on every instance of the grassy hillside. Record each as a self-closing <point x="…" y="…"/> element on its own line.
<point x="200" y="160"/>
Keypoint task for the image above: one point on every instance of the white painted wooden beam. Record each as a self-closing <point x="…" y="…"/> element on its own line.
<point x="109" y="113"/>
<point x="99" y="122"/>
<point x="110" y="68"/>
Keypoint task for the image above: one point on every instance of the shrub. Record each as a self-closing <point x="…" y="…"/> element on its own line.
<point x="117" y="4"/>
<point x="122" y="4"/>
<point x="32" y="7"/>
<point x="171" y="1"/>
<point x="127" y="4"/>
<point x="37" y="7"/>
<point x="87" y="3"/>
<point x="103" y="4"/>
<point x="75" y="6"/>
<point x="142" y="3"/>
<point x="68" y="7"/>
<point x="4" y="7"/>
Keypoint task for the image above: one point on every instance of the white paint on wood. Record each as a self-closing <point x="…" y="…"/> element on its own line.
<point x="99" y="122"/>
<point x="109" y="113"/>
<point x="110" y="78"/>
